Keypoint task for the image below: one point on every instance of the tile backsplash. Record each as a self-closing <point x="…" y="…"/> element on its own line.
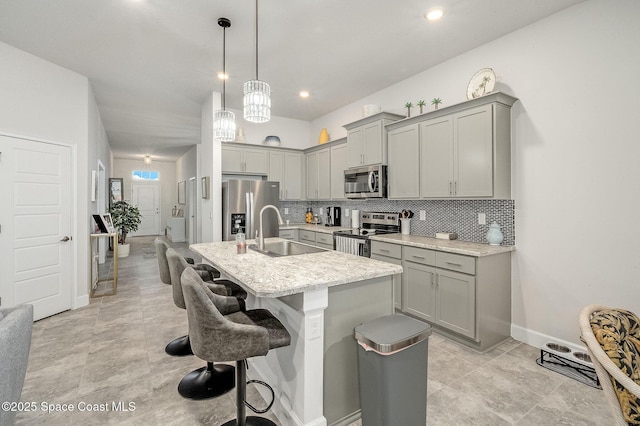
<point x="460" y="216"/>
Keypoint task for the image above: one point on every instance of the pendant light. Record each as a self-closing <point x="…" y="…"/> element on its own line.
<point x="257" y="93"/>
<point x="224" y="122"/>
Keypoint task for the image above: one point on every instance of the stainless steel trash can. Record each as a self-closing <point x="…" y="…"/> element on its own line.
<point x="392" y="368"/>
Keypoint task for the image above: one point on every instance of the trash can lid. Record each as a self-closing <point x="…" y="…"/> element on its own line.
<point x="392" y="333"/>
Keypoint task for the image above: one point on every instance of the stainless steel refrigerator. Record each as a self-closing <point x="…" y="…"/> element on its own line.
<point x="242" y="201"/>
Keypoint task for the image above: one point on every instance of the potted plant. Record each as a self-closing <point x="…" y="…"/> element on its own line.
<point x="126" y="218"/>
<point x="408" y="106"/>
<point x="421" y="104"/>
<point x="436" y="102"/>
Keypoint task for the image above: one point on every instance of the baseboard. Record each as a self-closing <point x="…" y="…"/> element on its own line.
<point x="540" y="341"/>
<point x="80" y="301"/>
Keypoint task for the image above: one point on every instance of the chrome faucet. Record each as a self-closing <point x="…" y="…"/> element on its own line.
<point x="261" y="235"/>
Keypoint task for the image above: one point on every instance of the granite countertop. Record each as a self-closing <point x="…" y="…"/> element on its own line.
<point x="317" y="228"/>
<point x="450" y="246"/>
<point x="265" y="276"/>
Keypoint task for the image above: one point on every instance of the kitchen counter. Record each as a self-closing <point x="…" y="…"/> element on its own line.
<point x="451" y="246"/>
<point x="320" y="298"/>
<point x="265" y="276"/>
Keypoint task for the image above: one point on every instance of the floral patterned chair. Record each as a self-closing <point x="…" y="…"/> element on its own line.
<point x="612" y="337"/>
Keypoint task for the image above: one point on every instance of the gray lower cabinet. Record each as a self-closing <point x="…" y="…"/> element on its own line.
<point x="318" y="239"/>
<point x="439" y="295"/>
<point x="391" y="253"/>
<point x="289" y="234"/>
<point x="466" y="298"/>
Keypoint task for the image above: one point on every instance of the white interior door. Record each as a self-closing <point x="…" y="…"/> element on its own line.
<point x="147" y="198"/>
<point x="35" y="220"/>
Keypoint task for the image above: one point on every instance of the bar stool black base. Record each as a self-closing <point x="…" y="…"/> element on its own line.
<point x="180" y="346"/>
<point x="252" y="421"/>
<point x="207" y="382"/>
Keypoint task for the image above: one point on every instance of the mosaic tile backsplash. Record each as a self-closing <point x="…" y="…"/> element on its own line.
<point x="460" y="216"/>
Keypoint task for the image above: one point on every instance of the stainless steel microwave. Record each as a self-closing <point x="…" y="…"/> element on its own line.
<point x="366" y="182"/>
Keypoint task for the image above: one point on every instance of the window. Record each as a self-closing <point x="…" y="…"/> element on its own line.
<point x="145" y="175"/>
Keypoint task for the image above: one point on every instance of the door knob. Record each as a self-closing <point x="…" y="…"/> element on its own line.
<point x="65" y="239"/>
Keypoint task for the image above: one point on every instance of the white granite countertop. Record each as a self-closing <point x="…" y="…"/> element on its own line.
<point x="451" y="246"/>
<point x="317" y="228"/>
<point x="265" y="276"/>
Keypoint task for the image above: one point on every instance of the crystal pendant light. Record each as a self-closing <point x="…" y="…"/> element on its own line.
<point x="257" y="93"/>
<point x="224" y="122"/>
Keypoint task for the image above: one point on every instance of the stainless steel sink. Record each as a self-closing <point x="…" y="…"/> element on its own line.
<point x="285" y="248"/>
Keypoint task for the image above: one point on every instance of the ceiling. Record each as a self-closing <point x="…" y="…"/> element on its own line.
<point x="152" y="63"/>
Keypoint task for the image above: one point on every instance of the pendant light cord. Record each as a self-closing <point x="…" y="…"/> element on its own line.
<point x="224" y="67"/>
<point x="256" y="39"/>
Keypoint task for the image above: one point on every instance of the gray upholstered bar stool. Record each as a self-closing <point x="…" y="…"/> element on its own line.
<point x="212" y="380"/>
<point x="180" y="346"/>
<point x="163" y="266"/>
<point x="219" y="334"/>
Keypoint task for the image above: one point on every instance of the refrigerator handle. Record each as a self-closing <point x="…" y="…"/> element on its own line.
<point x="251" y="228"/>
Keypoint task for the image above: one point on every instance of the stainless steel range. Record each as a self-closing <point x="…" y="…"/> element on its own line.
<point x="356" y="241"/>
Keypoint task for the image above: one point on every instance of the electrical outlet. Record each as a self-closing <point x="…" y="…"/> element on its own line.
<point x="321" y="213"/>
<point x="346" y="212"/>
<point x="423" y="215"/>
<point x="482" y="218"/>
<point x="315" y="327"/>
<point x="286" y="210"/>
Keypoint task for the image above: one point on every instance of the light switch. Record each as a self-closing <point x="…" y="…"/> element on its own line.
<point x="286" y="210"/>
<point x="482" y="218"/>
<point x="423" y="215"/>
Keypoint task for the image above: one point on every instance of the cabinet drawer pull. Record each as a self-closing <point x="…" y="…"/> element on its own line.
<point x="384" y="250"/>
<point x="417" y="257"/>
<point x="454" y="264"/>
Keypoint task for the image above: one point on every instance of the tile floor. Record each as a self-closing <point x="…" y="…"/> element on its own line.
<point x="113" y="351"/>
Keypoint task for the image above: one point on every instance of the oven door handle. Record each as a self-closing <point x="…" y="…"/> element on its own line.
<point x="372" y="179"/>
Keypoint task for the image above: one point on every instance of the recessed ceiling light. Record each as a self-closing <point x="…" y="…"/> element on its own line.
<point x="304" y="93"/>
<point x="223" y="76"/>
<point x="434" y="14"/>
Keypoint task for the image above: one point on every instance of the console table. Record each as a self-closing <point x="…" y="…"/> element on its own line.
<point x="93" y="260"/>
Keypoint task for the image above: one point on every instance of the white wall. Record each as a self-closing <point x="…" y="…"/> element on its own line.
<point x="210" y="164"/>
<point x="575" y="172"/>
<point x="292" y="133"/>
<point x="122" y="168"/>
<point x="98" y="150"/>
<point x="46" y="102"/>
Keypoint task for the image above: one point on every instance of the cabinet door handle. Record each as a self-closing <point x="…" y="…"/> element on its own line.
<point x="450" y="188"/>
<point x="455" y="188"/>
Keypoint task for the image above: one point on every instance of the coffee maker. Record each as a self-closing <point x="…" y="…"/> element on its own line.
<point x="333" y="216"/>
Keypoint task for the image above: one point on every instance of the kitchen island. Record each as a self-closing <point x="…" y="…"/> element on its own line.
<point x="320" y="298"/>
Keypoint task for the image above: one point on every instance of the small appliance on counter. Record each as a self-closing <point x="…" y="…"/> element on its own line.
<point x="333" y="216"/>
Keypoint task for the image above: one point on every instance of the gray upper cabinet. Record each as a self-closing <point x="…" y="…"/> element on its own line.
<point x="287" y="168"/>
<point x="339" y="162"/>
<point x="404" y="162"/>
<point x="236" y="159"/>
<point x="464" y="151"/>
<point x="319" y="174"/>
<point x="436" y="158"/>
<point x="367" y="139"/>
